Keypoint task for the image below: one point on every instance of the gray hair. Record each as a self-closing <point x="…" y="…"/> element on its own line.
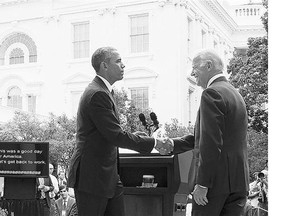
<point x="102" y="54"/>
<point x="211" y="55"/>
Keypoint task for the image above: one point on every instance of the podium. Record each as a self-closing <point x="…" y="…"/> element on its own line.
<point x="20" y="164"/>
<point x="171" y="173"/>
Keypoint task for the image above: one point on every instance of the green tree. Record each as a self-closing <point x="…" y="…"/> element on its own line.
<point x="129" y="114"/>
<point x="175" y="129"/>
<point x="249" y="74"/>
<point x="59" y="131"/>
<point x="23" y="127"/>
<point x="264" y="18"/>
<point x="257" y="151"/>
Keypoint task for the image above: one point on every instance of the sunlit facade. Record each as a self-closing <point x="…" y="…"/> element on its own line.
<point x="45" y="50"/>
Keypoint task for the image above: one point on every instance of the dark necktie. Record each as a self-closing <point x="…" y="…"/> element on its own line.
<point x="65" y="204"/>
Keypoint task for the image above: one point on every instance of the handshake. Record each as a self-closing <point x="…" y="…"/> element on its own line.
<point x="164" y="145"/>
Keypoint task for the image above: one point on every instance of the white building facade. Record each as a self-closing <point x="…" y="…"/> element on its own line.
<point x="46" y="48"/>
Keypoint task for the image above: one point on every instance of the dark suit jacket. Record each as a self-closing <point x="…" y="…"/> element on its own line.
<point x="99" y="135"/>
<point x="71" y="208"/>
<point x="47" y="182"/>
<point x="220" y="140"/>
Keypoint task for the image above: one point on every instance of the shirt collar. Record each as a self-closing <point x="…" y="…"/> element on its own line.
<point x="105" y="82"/>
<point x="214" y="78"/>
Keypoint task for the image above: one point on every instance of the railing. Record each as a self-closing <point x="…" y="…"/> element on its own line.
<point x="247" y="12"/>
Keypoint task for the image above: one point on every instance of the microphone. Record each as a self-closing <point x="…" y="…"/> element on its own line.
<point x="154" y="119"/>
<point x="142" y="119"/>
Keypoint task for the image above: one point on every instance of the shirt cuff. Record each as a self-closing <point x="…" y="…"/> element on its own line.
<point x="172" y="141"/>
<point x="202" y="186"/>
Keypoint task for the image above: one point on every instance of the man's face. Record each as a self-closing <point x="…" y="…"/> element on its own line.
<point x="115" y="70"/>
<point x="64" y="193"/>
<point x="61" y="175"/>
<point x="51" y="169"/>
<point x="200" y="72"/>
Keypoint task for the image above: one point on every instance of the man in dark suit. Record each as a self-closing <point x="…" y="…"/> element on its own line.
<point x="93" y="172"/>
<point x="65" y="205"/>
<point x="221" y="177"/>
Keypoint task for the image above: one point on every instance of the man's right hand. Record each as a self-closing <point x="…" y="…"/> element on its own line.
<point x="164" y="146"/>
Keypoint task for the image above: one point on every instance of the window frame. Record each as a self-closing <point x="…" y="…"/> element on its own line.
<point x="144" y="104"/>
<point x="137" y="35"/>
<point x="31" y="103"/>
<point x="15" y="101"/>
<point x="18" y="58"/>
<point x="86" y="39"/>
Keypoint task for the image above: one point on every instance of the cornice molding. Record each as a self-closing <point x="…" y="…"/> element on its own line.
<point x="108" y="10"/>
<point x="199" y="18"/>
<point x="12" y="2"/>
<point x="220" y="14"/>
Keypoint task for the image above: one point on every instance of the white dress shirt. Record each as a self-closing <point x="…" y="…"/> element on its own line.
<point x="55" y="184"/>
<point x="214" y="78"/>
<point x="106" y="83"/>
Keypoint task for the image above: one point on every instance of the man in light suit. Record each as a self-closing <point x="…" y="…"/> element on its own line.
<point x="94" y="167"/>
<point x="221" y="177"/>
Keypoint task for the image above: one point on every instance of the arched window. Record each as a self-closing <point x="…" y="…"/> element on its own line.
<point x="14" y="98"/>
<point x="24" y="39"/>
<point x="16" y="56"/>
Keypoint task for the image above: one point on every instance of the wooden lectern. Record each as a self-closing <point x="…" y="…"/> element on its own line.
<point x="171" y="175"/>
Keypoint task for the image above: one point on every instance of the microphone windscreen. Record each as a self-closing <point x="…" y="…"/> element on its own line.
<point x="153" y="116"/>
<point x="142" y="117"/>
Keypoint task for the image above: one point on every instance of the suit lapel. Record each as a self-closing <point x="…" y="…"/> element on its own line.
<point x="98" y="81"/>
<point x="69" y="202"/>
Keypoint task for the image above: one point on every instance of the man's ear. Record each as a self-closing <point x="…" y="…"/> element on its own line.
<point x="104" y="65"/>
<point x="209" y="64"/>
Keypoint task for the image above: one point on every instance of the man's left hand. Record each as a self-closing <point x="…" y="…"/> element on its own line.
<point x="199" y="195"/>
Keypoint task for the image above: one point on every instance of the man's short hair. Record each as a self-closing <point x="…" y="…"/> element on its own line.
<point x="100" y="55"/>
<point x="61" y="187"/>
<point x="212" y="55"/>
